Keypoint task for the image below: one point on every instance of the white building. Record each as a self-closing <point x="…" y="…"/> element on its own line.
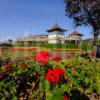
<point x="74" y="37"/>
<point x="56" y="34"/>
<point x="33" y="39"/>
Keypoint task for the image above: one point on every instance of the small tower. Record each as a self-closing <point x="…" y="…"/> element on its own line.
<point x="56" y="34"/>
<point x="76" y="37"/>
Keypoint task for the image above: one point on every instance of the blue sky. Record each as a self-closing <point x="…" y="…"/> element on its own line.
<point x="21" y="17"/>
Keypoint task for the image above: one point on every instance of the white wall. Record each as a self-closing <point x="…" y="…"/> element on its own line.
<point x="54" y="37"/>
<point x="76" y="37"/>
<point x="50" y="36"/>
<point x="52" y="41"/>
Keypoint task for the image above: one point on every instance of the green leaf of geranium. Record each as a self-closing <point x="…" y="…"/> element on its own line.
<point x="58" y="91"/>
<point x="65" y="87"/>
<point x="47" y="85"/>
<point x="87" y="80"/>
<point x="49" y="96"/>
<point x="14" y="98"/>
<point x="58" y="97"/>
<point x="3" y="98"/>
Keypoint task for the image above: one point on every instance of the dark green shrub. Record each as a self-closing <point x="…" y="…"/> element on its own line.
<point x="86" y="47"/>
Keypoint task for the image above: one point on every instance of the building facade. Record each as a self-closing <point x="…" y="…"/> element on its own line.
<point x="33" y="39"/>
<point x="74" y="37"/>
<point x="56" y="34"/>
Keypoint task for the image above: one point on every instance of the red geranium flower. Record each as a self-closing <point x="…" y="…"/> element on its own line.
<point x="2" y="75"/>
<point x="23" y="65"/>
<point x="65" y="97"/>
<point x="54" y="75"/>
<point x="6" y="66"/>
<point x="59" y="70"/>
<point x="51" y="56"/>
<point x="91" y="54"/>
<point x="44" y="53"/>
<point x="42" y="57"/>
<point x="57" y="58"/>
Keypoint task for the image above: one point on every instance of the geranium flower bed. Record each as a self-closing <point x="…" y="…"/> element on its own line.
<point x="47" y="77"/>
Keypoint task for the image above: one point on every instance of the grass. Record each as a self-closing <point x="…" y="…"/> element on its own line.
<point x="17" y="54"/>
<point x="25" y="53"/>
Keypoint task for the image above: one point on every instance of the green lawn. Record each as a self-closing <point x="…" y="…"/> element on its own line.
<point x="16" y="54"/>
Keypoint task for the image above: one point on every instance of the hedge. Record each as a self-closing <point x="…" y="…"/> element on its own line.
<point x="47" y="45"/>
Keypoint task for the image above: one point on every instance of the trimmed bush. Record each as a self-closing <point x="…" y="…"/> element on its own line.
<point x="47" y="45"/>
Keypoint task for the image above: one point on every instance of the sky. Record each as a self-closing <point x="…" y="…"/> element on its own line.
<point x="19" y="18"/>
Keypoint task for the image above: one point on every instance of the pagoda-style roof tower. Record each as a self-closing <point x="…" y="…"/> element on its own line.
<point x="56" y="27"/>
<point x="75" y="33"/>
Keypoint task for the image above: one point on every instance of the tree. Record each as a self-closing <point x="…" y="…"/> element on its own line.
<point x="10" y="41"/>
<point x="85" y="12"/>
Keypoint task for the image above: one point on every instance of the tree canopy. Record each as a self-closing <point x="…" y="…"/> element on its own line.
<point x="84" y="12"/>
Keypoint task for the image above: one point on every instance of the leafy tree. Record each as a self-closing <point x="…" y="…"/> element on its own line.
<point x="10" y="41"/>
<point x="85" y="12"/>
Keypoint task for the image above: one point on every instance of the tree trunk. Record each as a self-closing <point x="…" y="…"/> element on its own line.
<point x="95" y="44"/>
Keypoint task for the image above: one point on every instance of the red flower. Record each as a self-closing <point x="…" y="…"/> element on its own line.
<point x="2" y="75"/>
<point x="6" y="66"/>
<point x="59" y="70"/>
<point x="44" y="53"/>
<point x="54" y="75"/>
<point x="90" y="54"/>
<point x="51" y="56"/>
<point x="42" y="57"/>
<point x="57" y="58"/>
<point x="23" y="65"/>
<point x="65" y="97"/>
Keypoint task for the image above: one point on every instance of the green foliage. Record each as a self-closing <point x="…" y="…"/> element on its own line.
<point x="86" y="47"/>
<point x="84" y="12"/>
<point x="80" y="75"/>
<point x="64" y="46"/>
<point x="47" y="45"/>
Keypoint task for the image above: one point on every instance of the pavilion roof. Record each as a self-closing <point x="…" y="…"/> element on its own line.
<point x="56" y="27"/>
<point x="76" y="33"/>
